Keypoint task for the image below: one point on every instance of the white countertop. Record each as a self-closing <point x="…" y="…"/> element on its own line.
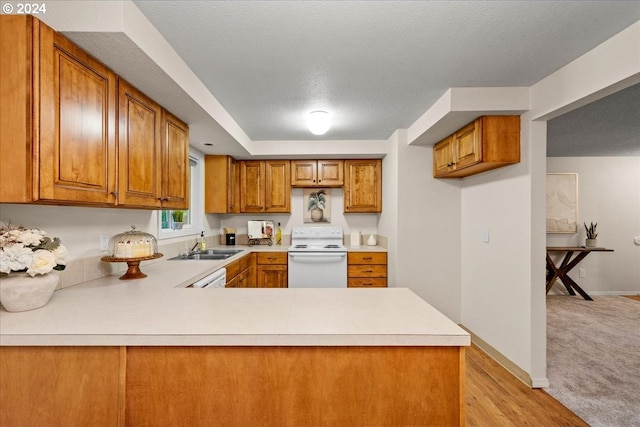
<point x="159" y="310"/>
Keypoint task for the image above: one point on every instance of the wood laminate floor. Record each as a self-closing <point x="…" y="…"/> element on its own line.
<point x="495" y="398"/>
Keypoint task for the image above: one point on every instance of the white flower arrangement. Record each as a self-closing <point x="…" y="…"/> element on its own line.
<point x="29" y="250"/>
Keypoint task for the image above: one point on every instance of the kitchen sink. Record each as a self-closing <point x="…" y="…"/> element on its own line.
<point x="211" y="254"/>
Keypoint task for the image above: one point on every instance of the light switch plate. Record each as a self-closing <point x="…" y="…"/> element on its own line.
<point x="485" y="235"/>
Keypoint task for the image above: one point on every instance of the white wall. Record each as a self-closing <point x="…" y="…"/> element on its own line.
<point x="609" y="194"/>
<point x="428" y="231"/>
<point x="388" y="223"/>
<point x="496" y="279"/>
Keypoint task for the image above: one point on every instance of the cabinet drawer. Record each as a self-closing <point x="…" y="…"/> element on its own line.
<point x="367" y="271"/>
<point x="272" y="258"/>
<point x="367" y="282"/>
<point x="367" y="258"/>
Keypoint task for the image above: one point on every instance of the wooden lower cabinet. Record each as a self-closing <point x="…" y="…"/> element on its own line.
<point x="271" y="270"/>
<point x="367" y="269"/>
<point x="294" y="386"/>
<point x="241" y="273"/>
<point x="231" y="386"/>
<point x="62" y="386"/>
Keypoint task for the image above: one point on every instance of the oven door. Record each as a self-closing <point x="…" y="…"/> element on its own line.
<point x="317" y="269"/>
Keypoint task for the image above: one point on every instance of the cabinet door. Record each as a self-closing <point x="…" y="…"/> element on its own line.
<point x="175" y="163"/>
<point x="139" y="149"/>
<point x="330" y="173"/>
<point x="85" y="390"/>
<point x="363" y="185"/>
<point x="233" y="186"/>
<point x="303" y="173"/>
<point x="18" y="103"/>
<point x="221" y="184"/>
<point x="252" y="183"/>
<point x="466" y="145"/>
<point x="278" y="186"/>
<point x="272" y="276"/>
<point x="443" y="157"/>
<point x="77" y="114"/>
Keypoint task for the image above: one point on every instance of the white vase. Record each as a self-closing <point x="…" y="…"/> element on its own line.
<point x="21" y="292"/>
<point x="372" y="240"/>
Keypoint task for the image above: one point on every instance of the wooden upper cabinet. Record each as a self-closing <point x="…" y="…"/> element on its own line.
<point x="265" y="186"/>
<point x="221" y="184"/>
<point x="153" y="154"/>
<point x="363" y="185"/>
<point x="140" y="173"/>
<point x="58" y="107"/>
<point x="58" y="139"/>
<point x="252" y="186"/>
<point x="489" y="142"/>
<point x="176" y="174"/>
<point x="278" y="186"/>
<point x="317" y="173"/>
<point x="443" y="156"/>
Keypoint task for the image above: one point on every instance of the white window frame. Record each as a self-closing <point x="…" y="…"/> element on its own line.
<point x="196" y="204"/>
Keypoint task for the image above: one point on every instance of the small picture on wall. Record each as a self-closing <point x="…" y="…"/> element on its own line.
<point x="562" y="203"/>
<point x="317" y="205"/>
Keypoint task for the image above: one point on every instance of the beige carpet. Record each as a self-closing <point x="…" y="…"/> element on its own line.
<point x="593" y="358"/>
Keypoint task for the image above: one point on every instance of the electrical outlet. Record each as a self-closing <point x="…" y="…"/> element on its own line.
<point x="583" y="272"/>
<point x="104" y="242"/>
<point x="485" y="235"/>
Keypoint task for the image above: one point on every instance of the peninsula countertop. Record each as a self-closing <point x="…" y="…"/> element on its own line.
<point x="159" y="311"/>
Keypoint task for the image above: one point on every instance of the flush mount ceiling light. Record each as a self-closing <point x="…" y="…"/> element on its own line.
<point x="318" y="122"/>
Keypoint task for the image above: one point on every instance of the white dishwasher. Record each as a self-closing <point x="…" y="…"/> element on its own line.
<point x="217" y="279"/>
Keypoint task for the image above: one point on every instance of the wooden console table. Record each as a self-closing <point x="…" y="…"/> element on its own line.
<point x="554" y="272"/>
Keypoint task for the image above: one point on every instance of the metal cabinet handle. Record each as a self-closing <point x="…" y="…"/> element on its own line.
<point x="367" y="258"/>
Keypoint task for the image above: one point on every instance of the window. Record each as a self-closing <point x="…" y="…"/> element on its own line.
<point x="192" y="222"/>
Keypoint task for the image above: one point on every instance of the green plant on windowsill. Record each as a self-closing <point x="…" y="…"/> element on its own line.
<point x="178" y="218"/>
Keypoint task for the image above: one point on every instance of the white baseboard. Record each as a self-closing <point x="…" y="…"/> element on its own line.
<point x="601" y="293"/>
<point x="613" y="293"/>
<point x="540" y="382"/>
<point x="503" y="361"/>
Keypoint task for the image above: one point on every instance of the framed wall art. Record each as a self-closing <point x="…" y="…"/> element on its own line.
<point x="562" y="203"/>
<point x="317" y="205"/>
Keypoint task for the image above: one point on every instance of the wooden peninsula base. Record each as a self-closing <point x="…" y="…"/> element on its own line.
<point x="232" y="386"/>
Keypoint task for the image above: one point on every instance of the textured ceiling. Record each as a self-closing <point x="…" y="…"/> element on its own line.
<point x="376" y="66"/>
<point x="609" y="127"/>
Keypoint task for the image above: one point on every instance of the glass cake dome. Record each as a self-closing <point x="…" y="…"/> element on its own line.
<point x="132" y="244"/>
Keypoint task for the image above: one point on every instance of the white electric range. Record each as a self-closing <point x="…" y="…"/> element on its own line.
<point x="317" y="258"/>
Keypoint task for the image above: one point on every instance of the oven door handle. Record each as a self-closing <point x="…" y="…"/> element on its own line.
<point x="318" y="256"/>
